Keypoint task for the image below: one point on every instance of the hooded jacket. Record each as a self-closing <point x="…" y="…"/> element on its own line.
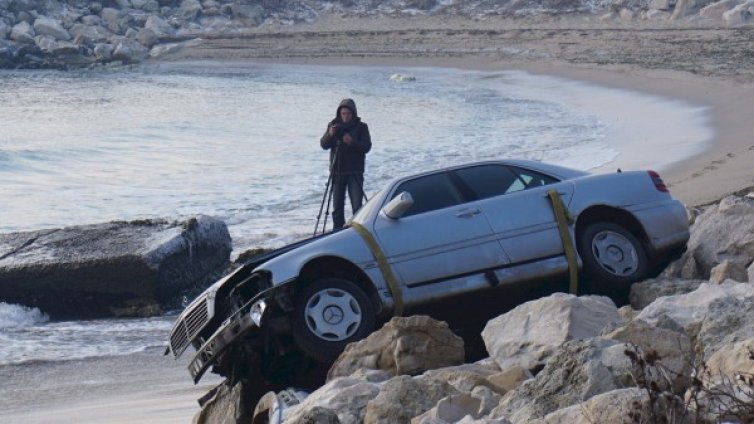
<point x="347" y="159"/>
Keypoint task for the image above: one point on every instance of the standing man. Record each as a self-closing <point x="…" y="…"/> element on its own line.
<point x="349" y="141"/>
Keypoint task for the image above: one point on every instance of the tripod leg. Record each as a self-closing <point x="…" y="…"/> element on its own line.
<point x="329" y="199"/>
<point x="324" y="196"/>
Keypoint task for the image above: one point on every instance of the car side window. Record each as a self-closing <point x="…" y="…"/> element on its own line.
<point x="529" y="179"/>
<point x="486" y="180"/>
<point x="493" y="180"/>
<point x="430" y="192"/>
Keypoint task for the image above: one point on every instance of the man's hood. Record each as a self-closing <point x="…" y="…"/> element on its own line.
<point x="349" y="103"/>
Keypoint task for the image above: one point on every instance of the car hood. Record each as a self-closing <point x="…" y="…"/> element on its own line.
<point x="346" y="244"/>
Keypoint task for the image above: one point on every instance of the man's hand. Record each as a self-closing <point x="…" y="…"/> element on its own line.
<point x="347" y="138"/>
<point x="332" y="130"/>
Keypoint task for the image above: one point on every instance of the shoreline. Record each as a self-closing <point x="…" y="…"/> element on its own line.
<point x="138" y="387"/>
<point x="722" y="167"/>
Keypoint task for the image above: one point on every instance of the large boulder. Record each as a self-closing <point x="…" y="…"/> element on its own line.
<point x="451" y="409"/>
<point x="716" y="10"/>
<point x="465" y="378"/>
<point x="189" y="10"/>
<point x="733" y="359"/>
<point x="56" y="48"/>
<point x="673" y="347"/>
<point x="22" y="32"/>
<point x="689" y="310"/>
<point x="226" y="404"/>
<point x="575" y="372"/>
<point x="527" y="335"/>
<point x="403" y="398"/>
<point x="644" y="293"/>
<point x="115" y="20"/>
<point x="158" y="25"/>
<point x="724" y="231"/>
<point x="728" y="320"/>
<point x="46" y="26"/>
<point x="90" y="33"/>
<point x="405" y="345"/>
<point x="347" y="397"/>
<point x="113" y="269"/>
<point x="612" y="407"/>
<point x="129" y="51"/>
<point x="740" y="14"/>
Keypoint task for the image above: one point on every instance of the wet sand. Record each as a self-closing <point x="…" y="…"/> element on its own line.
<point x="144" y="387"/>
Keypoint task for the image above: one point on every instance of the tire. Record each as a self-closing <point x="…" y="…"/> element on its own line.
<point x="329" y="314"/>
<point x="613" y="257"/>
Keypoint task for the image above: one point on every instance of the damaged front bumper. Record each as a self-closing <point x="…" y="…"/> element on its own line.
<point x="247" y="318"/>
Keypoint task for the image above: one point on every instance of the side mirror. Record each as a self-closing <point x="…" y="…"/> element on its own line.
<point x="398" y="206"/>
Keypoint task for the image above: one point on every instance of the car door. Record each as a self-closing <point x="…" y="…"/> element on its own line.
<point x="515" y="202"/>
<point x="441" y="236"/>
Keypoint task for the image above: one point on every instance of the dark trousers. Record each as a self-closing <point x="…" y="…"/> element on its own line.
<point x="354" y="184"/>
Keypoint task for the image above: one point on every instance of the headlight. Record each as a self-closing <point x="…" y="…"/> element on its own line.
<point x="256" y="312"/>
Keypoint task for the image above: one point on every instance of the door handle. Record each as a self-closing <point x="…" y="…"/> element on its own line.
<point x="468" y="213"/>
<point x="560" y="193"/>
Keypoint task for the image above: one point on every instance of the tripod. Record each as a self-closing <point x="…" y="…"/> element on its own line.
<point x="328" y="194"/>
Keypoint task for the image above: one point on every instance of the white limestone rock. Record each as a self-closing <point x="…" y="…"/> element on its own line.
<point x="611" y="407"/>
<point x="644" y="293"/>
<point x="403" y="398"/>
<point x="347" y="397"/>
<point x="740" y="14"/>
<point x="722" y="232"/>
<point x="689" y="310"/>
<point x="529" y="333"/>
<point x="716" y="10"/>
<point x="22" y="32"/>
<point x="673" y="347"/>
<point x="728" y="270"/>
<point x="576" y="372"/>
<point x="405" y="345"/>
<point x="158" y="25"/>
<point x="46" y="26"/>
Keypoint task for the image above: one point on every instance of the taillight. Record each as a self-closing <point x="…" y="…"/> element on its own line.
<point x="658" y="182"/>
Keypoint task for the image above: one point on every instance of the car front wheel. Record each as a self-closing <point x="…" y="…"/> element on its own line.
<point x="612" y="256"/>
<point x="329" y="314"/>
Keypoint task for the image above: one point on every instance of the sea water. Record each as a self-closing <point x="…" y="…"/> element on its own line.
<point x="240" y="141"/>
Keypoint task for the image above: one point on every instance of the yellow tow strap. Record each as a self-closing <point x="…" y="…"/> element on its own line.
<point x="387" y="272"/>
<point x="563" y="219"/>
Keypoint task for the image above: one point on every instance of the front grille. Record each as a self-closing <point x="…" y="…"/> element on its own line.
<point x="187" y="327"/>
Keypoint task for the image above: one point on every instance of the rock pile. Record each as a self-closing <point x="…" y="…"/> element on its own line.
<point x="74" y="33"/>
<point x="77" y="33"/>
<point x="564" y="358"/>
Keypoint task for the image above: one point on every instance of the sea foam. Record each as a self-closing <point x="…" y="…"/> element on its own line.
<point x="12" y="315"/>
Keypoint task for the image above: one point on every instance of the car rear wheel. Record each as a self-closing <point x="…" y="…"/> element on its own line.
<point x="613" y="257"/>
<point x="329" y="314"/>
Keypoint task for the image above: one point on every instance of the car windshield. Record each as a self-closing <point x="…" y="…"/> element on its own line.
<point x="362" y="213"/>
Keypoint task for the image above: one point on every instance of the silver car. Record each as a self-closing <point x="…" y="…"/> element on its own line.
<point x="428" y="238"/>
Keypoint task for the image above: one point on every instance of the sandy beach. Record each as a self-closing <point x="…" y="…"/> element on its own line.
<point x="704" y="65"/>
<point x="144" y="387"/>
<point x="708" y="67"/>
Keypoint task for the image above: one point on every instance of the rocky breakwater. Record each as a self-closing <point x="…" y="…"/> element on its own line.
<point x="117" y="269"/>
<point x="681" y="352"/>
<point x="76" y="33"/>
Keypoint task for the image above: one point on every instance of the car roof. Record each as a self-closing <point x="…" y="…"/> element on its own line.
<point x="557" y="171"/>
